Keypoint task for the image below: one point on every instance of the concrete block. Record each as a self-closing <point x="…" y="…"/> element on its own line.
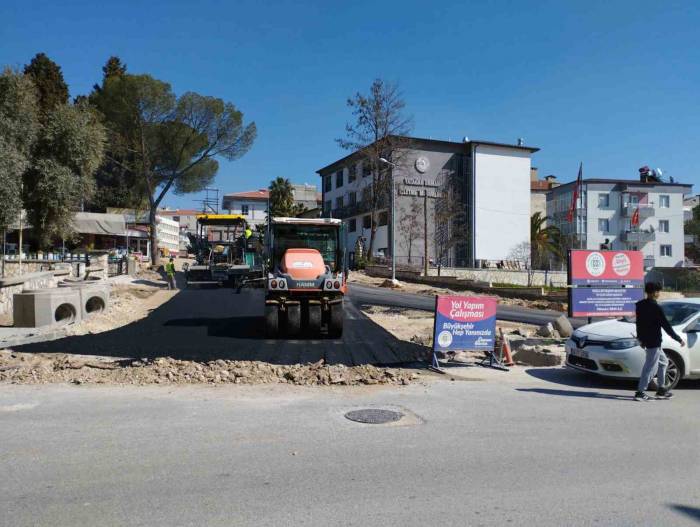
<point x="94" y="297"/>
<point x="46" y="307"/>
<point x="563" y="326"/>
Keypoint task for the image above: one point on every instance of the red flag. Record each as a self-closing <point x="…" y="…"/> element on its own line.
<point x="635" y="216"/>
<point x="574" y="197"/>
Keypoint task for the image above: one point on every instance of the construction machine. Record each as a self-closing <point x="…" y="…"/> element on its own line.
<point x="228" y="261"/>
<point x="306" y="275"/>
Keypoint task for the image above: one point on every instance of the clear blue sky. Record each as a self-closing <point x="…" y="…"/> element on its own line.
<point x="613" y="84"/>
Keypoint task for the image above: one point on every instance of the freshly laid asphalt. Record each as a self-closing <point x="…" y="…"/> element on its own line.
<point x="545" y="448"/>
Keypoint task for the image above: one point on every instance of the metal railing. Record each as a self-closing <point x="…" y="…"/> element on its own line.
<point x="638" y="236"/>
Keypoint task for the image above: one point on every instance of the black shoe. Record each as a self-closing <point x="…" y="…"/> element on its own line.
<point x="663" y="393"/>
<point x="641" y="396"/>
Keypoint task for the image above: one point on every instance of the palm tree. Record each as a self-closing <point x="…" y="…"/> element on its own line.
<point x="544" y="240"/>
<point x="281" y="198"/>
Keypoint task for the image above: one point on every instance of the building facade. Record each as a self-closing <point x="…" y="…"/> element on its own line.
<point x="624" y="215"/>
<point x="473" y="195"/>
<point x="539" y="188"/>
<point x="253" y="204"/>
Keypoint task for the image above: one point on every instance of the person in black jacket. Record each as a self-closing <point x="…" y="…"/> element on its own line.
<point x="650" y="321"/>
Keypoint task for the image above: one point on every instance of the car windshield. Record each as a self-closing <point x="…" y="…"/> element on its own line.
<point x="676" y="312"/>
<point x="322" y="238"/>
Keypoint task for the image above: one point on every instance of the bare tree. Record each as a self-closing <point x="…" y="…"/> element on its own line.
<point x="378" y="132"/>
<point x="449" y="218"/>
<point x="411" y="225"/>
<point x="522" y="253"/>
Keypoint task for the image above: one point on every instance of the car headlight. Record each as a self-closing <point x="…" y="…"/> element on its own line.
<point x="621" y="344"/>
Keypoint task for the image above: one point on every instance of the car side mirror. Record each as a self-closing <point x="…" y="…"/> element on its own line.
<point x="694" y="327"/>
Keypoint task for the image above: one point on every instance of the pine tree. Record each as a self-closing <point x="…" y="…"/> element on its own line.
<point x="52" y="90"/>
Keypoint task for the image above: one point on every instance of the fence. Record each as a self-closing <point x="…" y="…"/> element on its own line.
<point x="117" y="265"/>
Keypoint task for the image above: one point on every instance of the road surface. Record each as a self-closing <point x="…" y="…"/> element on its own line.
<point x="544" y="448"/>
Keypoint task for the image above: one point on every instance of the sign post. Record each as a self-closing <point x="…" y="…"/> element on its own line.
<point x="605" y="283"/>
<point x="465" y="323"/>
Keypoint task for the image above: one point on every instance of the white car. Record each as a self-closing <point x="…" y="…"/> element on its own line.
<point x="610" y="348"/>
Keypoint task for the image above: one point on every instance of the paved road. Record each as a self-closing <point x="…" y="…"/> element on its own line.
<point x="518" y="449"/>
<point x="216" y="323"/>
<point x="386" y="297"/>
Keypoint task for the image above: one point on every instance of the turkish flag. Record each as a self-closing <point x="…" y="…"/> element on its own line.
<point x="635" y="216"/>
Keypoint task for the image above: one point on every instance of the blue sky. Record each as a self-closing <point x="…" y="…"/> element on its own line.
<point x="613" y="84"/>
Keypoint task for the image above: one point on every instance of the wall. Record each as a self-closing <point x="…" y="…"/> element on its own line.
<point x="501" y="201"/>
<point x="35" y="280"/>
<point x="256" y="209"/>
<point x="503" y="276"/>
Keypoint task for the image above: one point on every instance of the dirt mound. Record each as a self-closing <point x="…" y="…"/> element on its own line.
<point x="26" y="368"/>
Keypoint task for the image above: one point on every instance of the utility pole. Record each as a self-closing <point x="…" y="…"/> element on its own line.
<point x="393" y="229"/>
<point x="425" y="232"/>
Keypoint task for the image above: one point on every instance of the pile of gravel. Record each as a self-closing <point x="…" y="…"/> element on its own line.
<point x="25" y="368"/>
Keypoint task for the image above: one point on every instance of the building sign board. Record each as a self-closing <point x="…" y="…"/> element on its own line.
<point x="605" y="283"/>
<point x="464" y="323"/>
<point x="607" y="268"/>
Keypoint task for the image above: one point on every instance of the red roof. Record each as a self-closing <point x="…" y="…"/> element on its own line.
<point x="540" y="185"/>
<point x="251" y="194"/>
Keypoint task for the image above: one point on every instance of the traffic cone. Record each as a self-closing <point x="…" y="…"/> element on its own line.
<point x="506" y="356"/>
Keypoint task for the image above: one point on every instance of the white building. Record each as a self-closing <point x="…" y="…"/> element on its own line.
<point x="253" y="204"/>
<point x="491" y="180"/>
<point x="606" y="216"/>
<point x="168" y="233"/>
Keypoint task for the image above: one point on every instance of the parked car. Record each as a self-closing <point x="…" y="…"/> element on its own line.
<point x="610" y="348"/>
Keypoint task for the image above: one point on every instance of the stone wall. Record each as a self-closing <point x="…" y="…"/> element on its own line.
<point x="505" y="276"/>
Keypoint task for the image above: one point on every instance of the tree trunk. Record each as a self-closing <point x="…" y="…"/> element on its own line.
<point x="155" y="256"/>
<point x="372" y="231"/>
<point x="425" y="234"/>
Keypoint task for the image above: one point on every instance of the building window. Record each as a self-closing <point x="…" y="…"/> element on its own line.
<point x="366" y="169"/>
<point x="352" y="198"/>
<point x="666" y="250"/>
<point x="244" y="210"/>
<point x="352" y="173"/>
<point x="327" y="184"/>
<point x="327" y="207"/>
<point x="383" y="218"/>
<point x="352" y="225"/>
<point x="634" y="199"/>
<point x="339" y="179"/>
<point x="367" y="222"/>
<point x="663" y="225"/>
<point x="664" y="201"/>
<point x="339" y="202"/>
<point x="603" y="225"/>
<point x="603" y="201"/>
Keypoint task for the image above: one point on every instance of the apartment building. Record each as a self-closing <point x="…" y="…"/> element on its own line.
<point x="253" y="204"/>
<point x="624" y="215"/>
<point x="490" y="180"/>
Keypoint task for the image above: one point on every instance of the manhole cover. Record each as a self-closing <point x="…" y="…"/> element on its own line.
<point x="374" y="416"/>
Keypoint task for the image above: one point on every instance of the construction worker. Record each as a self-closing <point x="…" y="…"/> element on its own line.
<point x="170" y="272"/>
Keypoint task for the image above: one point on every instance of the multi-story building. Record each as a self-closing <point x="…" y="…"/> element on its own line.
<point x="487" y="184"/>
<point x="253" y="204"/>
<point x="539" y="188"/>
<point x="624" y="215"/>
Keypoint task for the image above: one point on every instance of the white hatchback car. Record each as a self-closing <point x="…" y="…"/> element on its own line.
<point x="610" y="347"/>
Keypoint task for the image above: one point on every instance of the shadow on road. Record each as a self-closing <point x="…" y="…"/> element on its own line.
<point x="691" y="512"/>
<point x="576" y="393"/>
<point x="569" y="377"/>
<point x="210" y="324"/>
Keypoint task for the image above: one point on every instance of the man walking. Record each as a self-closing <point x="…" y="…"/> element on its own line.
<point x="170" y="272"/>
<point x="650" y="321"/>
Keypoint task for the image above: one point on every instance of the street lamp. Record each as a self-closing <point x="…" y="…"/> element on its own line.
<point x="393" y="229"/>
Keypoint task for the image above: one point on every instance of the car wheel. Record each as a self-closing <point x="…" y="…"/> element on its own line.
<point x="674" y="372"/>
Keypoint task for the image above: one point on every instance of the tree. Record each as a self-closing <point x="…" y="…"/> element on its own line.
<point x="52" y="90"/>
<point x="19" y="126"/>
<point x="449" y="217"/>
<point x="411" y="225"/>
<point x="113" y="68"/>
<point x="281" y="198"/>
<point x="522" y="253"/>
<point x="545" y="241"/>
<point x="378" y="132"/>
<point x="69" y="148"/>
<point x="166" y="142"/>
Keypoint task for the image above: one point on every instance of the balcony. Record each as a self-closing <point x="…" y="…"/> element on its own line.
<point x="645" y="211"/>
<point x="638" y="237"/>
